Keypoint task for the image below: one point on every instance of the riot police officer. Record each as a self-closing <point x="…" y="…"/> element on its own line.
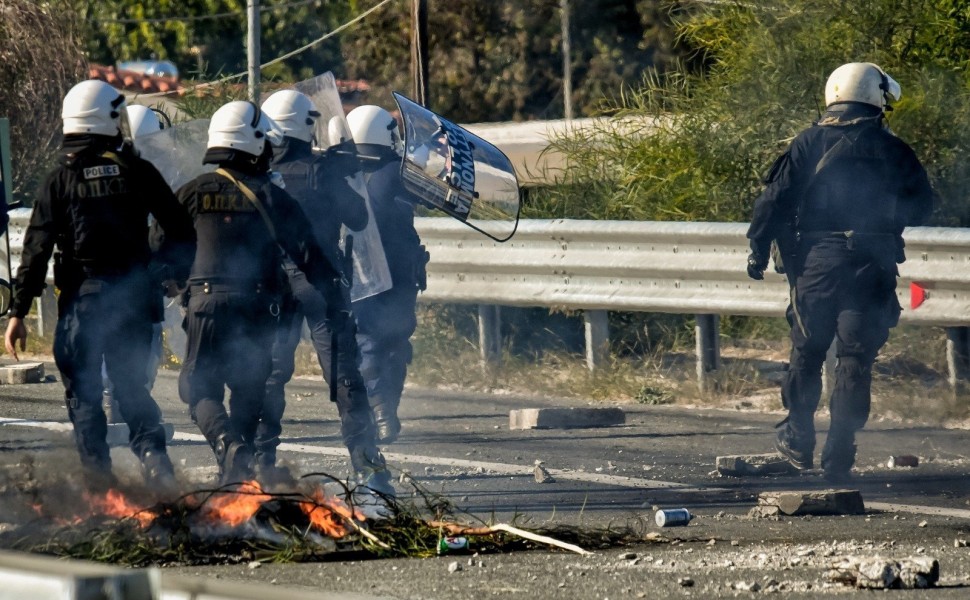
<point x="386" y="321"/>
<point x="836" y="203"/>
<point x="318" y="183"/>
<point x="94" y="208"/>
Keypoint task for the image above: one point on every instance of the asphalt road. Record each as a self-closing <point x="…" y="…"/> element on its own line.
<point x="460" y="446"/>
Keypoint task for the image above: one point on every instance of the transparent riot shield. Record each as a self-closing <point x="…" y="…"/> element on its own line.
<point x="177" y="151"/>
<point x="458" y="172"/>
<point x="371" y="273"/>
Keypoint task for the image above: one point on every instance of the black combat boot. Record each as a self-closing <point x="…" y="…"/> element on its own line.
<point x="838" y="456"/>
<point x="371" y="470"/>
<point x="272" y="475"/>
<point x="159" y="473"/>
<point x="797" y="446"/>
<point x="385" y="419"/>
<point x="236" y="460"/>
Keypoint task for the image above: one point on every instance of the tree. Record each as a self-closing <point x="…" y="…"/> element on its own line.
<point x="40" y="59"/>
<point x="502" y="60"/>
<point x="765" y="69"/>
<point x="206" y="38"/>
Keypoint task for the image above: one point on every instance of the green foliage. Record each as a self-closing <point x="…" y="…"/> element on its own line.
<point x="208" y="37"/>
<point x="35" y="73"/>
<point x="693" y="144"/>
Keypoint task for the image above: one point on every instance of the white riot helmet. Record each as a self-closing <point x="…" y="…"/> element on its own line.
<point x="242" y="126"/>
<point x="293" y="112"/>
<point x="93" y="107"/>
<point x="861" y="82"/>
<point x="142" y="121"/>
<point x="373" y="126"/>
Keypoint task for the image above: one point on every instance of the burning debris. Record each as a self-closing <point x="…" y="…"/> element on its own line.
<point x="316" y="519"/>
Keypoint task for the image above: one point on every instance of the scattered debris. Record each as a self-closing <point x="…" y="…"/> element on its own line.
<point x="904" y="460"/>
<point x="746" y="586"/>
<point x="824" y="502"/>
<point x="959" y="543"/>
<point x="753" y="465"/>
<point x="454" y="567"/>
<point x="915" y="572"/>
<point x="542" y="474"/>
<point x="685" y="582"/>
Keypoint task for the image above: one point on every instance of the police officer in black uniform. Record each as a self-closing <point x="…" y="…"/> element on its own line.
<point x="318" y="183"/>
<point x="235" y="285"/>
<point x="94" y="208"/>
<point x="836" y="204"/>
<point x="386" y="321"/>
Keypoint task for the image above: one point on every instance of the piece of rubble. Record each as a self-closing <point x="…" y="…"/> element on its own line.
<point x="753" y="465"/>
<point x="565" y="418"/>
<point x="914" y="572"/>
<point x="542" y="474"/>
<point x="905" y="460"/>
<point x="764" y="512"/>
<point x="685" y="582"/>
<point x="454" y="567"/>
<point x="959" y="543"/>
<point x="823" y="502"/>
<point x="746" y="586"/>
<point x="25" y="372"/>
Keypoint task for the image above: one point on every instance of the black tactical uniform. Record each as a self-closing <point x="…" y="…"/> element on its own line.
<point x="94" y="208"/>
<point x="233" y="298"/>
<point x="317" y="183"/>
<point x="386" y="321"/>
<point x="836" y="203"/>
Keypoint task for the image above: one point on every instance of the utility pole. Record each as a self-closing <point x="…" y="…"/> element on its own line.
<point x="419" y="51"/>
<point x="252" y="49"/>
<point x="567" y="67"/>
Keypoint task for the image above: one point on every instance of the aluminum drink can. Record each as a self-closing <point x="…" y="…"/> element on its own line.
<point x="450" y="544"/>
<point x="672" y="517"/>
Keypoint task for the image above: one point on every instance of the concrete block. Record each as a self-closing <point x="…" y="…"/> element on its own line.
<point x="823" y="502"/>
<point x="118" y="433"/>
<point x="25" y="372"/>
<point x="42" y="578"/>
<point x="754" y="465"/>
<point x="565" y="418"/>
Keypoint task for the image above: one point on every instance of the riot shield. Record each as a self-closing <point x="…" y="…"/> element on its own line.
<point x="371" y="273"/>
<point x="458" y="172"/>
<point x="177" y="151"/>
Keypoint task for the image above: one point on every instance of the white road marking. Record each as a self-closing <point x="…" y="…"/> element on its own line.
<point x="507" y="469"/>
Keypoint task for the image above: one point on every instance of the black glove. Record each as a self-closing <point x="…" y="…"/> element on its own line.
<point x="756" y="266"/>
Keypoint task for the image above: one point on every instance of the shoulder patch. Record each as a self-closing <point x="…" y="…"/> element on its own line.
<point x="102" y="171"/>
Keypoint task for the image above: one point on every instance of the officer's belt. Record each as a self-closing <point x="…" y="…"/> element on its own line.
<point x="815" y="236"/>
<point x="241" y="287"/>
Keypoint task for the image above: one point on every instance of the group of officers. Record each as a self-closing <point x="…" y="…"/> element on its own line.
<point x="253" y="261"/>
<point x="252" y="250"/>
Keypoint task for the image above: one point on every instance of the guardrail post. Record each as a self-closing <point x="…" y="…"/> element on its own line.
<point x="596" y="325"/>
<point x="47" y="311"/>
<point x="828" y="370"/>
<point x="489" y="333"/>
<point x="707" y="334"/>
<point x="958" y="355"/>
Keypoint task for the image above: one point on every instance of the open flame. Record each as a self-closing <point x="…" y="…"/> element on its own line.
<point x="114" y="504"/>
<point x="237" y="507"/>
<point x="329" y="515"/>
<point x="228" y="509"/>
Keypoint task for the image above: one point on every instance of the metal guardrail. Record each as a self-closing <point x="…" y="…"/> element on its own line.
<point x="671" y="267"/>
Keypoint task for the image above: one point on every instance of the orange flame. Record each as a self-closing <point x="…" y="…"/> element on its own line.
<point x="325" y="514"/>
<point x="114" y="504"/>
<point x="237" y="507"/>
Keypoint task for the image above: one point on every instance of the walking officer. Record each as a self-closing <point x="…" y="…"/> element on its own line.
<point x="386" y="321"/>
<point x="245" y="225"/>
<point x="836" y="203"/>
<point x="318" y="183"/>
<point x="94" y="208"/>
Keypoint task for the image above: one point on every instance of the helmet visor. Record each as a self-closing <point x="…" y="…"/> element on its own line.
<point x="891" y="89"/>
<point x="271" y="129"/>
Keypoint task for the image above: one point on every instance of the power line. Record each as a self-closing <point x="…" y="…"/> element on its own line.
<point x="239" y="13"/>
<point x="299" y="50"/>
